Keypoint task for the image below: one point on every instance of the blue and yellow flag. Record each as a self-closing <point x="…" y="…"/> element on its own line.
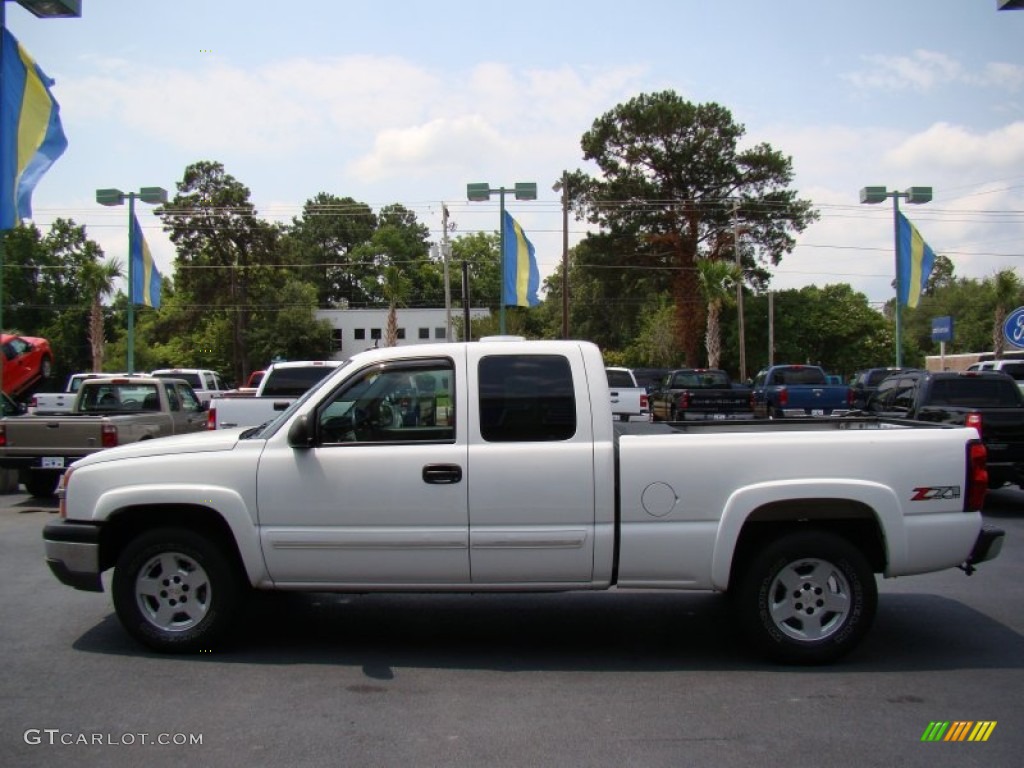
<point x="914" y="260"/>
<point x="145" y="277"/>
<point x="522" y="277"/>
<point x="31" y="136"/>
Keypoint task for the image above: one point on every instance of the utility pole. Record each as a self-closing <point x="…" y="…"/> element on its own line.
<point x="446" y="253"/>
<point x="739" y="290"/>
<point x="565" y="254"/>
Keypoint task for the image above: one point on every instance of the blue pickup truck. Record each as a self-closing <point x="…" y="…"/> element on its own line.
<point x="785" y="391"/>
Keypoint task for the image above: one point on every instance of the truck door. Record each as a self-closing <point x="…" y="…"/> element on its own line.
<point x="379" y="497"/>
<point x="531" y="455"/>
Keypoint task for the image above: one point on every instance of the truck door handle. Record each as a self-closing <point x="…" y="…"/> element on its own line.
<point x="442" y="474"/>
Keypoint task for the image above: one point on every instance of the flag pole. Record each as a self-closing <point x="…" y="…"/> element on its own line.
<point x="899" y="286"/>
<point x="131" y="282"/>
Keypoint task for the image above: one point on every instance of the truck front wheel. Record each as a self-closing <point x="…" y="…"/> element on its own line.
<point x="175" y="591"/>
<point x="806" y="598"/>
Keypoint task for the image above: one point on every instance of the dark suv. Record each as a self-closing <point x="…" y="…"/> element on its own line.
<point x="864" y="383"/>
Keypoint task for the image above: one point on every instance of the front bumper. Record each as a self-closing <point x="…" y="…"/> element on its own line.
<point x="73" y="554"/>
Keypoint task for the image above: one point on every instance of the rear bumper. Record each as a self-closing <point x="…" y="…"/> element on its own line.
<point x="73" y="554"/>
<point x="986" y="547"/>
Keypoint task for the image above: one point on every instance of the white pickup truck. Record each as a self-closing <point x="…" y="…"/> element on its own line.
<point x="280" y="386"/>
<point x="495" y="466"/>
<point x="629" y="400"/>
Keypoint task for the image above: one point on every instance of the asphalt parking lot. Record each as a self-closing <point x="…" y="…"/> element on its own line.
<point x="604" y="679"/>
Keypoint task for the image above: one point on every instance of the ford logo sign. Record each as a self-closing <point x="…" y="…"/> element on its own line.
<point x="1013" y="329"/>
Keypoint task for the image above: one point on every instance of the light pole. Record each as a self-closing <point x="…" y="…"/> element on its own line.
<point x="480" y="192"/>
<point x="155" y="196"/>
<point x="42" y="9"/>
<point x="914" y="196"/>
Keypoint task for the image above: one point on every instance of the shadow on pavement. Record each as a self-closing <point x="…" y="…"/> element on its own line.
<point x="569" y="632"/>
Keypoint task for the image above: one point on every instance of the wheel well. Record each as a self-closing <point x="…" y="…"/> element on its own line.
<point x="130" y="522"/>
<point x="852" y="520"/>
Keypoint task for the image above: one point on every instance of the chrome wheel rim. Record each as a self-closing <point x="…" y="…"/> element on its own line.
<point x="809" y="600"/>
<point x="173" y="592"/>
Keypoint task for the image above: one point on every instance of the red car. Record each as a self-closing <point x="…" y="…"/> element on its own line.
<point x="26" y="360"/>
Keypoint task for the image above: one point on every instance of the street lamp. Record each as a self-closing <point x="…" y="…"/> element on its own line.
<point x="155" y="196"/>
<point x="914" y="196"/>
<point x="480" y="192"/>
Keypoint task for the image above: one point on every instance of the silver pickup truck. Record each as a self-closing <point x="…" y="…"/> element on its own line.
<point x="495" y="466"/>
<point x="106" y="412"/>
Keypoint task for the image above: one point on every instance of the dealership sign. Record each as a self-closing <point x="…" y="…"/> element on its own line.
<point x="1013" y="329"/>
<point x="942" y="328"/>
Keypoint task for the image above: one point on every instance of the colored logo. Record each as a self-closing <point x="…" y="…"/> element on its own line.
<point x="959" y="730"/>
<point x="1013" y="328"/>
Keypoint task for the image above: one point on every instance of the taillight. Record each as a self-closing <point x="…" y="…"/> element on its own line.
<point x="783" y="397"/>
<point x="684" y="401"/>
<point x="109" y="438"/>
<point x="3" y="435"/>
<point x="211" y="417"/>
<point x="644" y="403"/>
<point x="977" y="476"/>
<point x="974" y="420"/>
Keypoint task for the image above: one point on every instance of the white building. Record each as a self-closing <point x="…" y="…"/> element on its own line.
<point x="359" y="329"/>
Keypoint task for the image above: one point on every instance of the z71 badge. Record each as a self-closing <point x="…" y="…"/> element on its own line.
<point x="937" y="492"/>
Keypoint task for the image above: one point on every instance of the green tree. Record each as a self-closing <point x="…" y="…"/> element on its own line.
<point x="673" y="183"/>
<point x="98" y="281"/>
<point x="223" y="252"/>
<point x="717" y="280"/>
<point x="322" y="241"/>
<point x="833" y="326"/>
<point x="1006" y="287"/>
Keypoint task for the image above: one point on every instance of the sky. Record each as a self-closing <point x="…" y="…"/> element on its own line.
<point x="407" y="102"/>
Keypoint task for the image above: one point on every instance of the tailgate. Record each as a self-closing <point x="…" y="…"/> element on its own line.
<point x="1003" y="433"/>
<point x="720" y="400"/>
<point x="41" y="436"/>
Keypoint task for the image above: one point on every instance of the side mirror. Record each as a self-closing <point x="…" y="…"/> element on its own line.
<point x="300" y="434"/>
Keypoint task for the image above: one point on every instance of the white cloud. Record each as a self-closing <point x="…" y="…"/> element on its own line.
<point x="923" y="70"/>
<point x="944" y="147"/>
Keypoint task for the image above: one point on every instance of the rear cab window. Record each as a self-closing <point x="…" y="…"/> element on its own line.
<point x="526" y="398"/>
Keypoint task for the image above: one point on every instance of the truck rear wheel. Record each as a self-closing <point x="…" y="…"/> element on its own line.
<point x="175" y="591"/>
<point x="806" y="598"/>
<point x="40" y="484"/>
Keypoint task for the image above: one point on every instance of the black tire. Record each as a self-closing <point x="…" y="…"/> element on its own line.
<point x="40" y="484"/>
<point x="806" y="598"/>
<point x="176" y="591"/>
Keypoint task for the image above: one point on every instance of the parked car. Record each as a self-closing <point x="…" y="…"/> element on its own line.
<point x="629" y="400"/>
<point x="989" y="401"/>
<point x="699" y="394"/>
<point x="107" y="412"/>
<point x="785" y="391"/>
<point x="27" y="359"/>
<point x="205" y="383"/>
<point x="865" y="382"/>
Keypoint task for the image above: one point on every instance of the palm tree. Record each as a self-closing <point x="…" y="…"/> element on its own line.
<point x="395" y="287"/>
<point x="717" y="281"/>
<point x="1007" y="289"/>
<point x="98" y="281"/>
